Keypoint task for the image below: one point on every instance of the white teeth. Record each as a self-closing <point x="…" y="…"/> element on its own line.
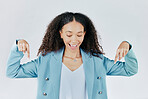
<point x="74" y="45"/>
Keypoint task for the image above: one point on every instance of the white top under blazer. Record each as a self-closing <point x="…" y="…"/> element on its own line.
<point x="72" y="84"/>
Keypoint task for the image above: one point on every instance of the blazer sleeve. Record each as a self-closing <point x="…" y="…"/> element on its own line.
<point x="127" y="68"/>
<point x="16" y="70"/>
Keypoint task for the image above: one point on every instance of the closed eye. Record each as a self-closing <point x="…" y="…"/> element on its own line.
<point x="71" y="35"/>
<point x="79" y="35"/>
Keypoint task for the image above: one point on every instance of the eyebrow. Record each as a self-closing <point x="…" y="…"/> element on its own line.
<point x="71" y="31"/>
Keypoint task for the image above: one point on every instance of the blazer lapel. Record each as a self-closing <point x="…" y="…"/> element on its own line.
<point x="56" y="64"/>
<point x="88" y="65"/>
<point x="55" y="69"/>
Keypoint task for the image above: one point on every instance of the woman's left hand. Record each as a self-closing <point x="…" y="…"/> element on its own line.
<point x="122" y="50"/>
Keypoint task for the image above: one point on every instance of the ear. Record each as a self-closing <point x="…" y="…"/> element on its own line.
<point x="60" y="33"/>
<point x="84" y="33"/>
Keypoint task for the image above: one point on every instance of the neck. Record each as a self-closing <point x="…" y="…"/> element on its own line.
<point x="71" y="54"/>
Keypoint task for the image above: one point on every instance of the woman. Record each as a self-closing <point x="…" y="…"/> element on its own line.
<point x="71" y="64"/>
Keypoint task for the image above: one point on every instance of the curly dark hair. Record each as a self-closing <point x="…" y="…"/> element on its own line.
<point x="52" y="40"/>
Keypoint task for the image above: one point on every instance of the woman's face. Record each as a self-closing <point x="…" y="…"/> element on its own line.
<point x="72" y="34"/>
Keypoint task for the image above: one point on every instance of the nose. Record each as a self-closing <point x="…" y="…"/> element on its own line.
<point x="74" y="38"/>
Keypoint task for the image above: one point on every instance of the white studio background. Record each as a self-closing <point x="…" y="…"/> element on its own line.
<point x="115" y="21"/>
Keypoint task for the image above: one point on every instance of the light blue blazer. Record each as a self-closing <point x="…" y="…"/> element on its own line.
<point x="47" y="69"/>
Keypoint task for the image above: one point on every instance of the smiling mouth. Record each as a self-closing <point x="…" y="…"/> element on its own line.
<point x="73" y="45"/>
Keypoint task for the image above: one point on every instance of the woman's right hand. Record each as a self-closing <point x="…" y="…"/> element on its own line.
<point x="23" y="46"/>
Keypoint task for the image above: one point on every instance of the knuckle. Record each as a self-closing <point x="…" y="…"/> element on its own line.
<point x="20" y="44"/>
<point x="23" y="44"/>
<point x="27" y="45"/>
<point x="119" y="50"/>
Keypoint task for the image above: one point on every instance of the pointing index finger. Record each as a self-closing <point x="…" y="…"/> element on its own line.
<point x="28" y="50"/>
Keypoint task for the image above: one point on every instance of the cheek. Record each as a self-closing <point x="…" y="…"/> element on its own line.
<point x="81" y="39"/>
<point x="66" y="40"/>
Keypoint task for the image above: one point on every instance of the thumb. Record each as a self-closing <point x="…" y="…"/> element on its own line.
<point x="116" y="57"/>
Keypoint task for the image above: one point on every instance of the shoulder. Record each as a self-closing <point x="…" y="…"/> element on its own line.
<point x="100" y="58"/>
<point x="48" y="55"/>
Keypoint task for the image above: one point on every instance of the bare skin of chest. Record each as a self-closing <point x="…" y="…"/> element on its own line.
<point x="69" y="63"/>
